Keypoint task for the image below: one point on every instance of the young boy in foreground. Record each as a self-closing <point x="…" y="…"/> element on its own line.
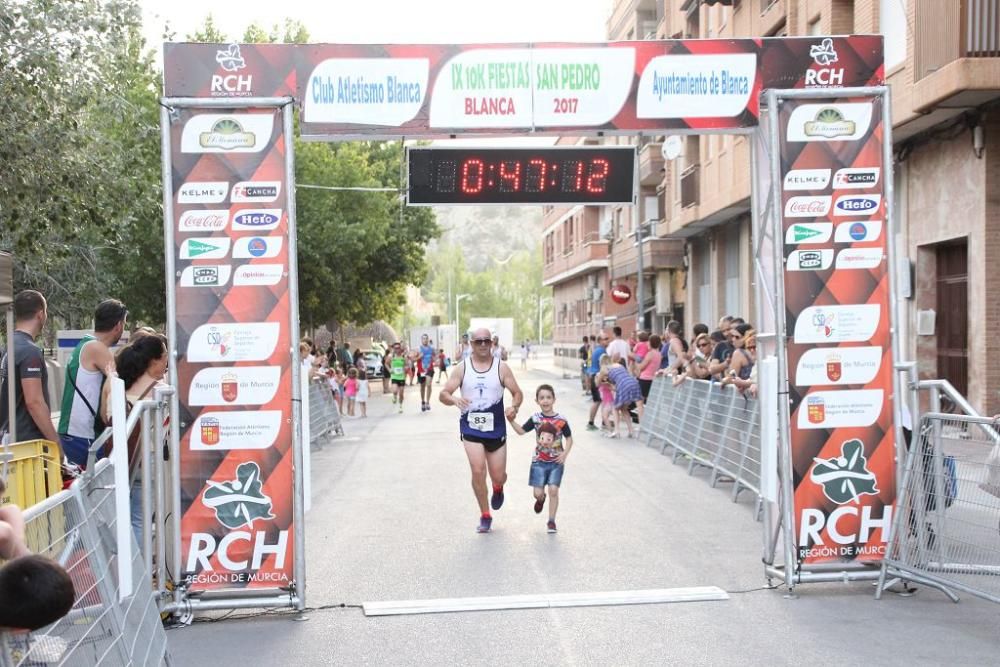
<point x="553" y="442"/>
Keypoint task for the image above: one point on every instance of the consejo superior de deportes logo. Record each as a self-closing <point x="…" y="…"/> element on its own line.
<point x="845" y="478"/>
<point x="241" y="501"/>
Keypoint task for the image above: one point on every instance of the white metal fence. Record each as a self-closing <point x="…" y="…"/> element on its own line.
<point x="76" y="528"/>
<point x="946" y="529"/>
<point x="324" y="416"/>
<point x="708" y="425"/>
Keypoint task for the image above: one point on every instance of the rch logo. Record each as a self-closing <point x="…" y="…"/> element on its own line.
<point x="241" y="501"/>
<point x="845" y="478"/>
<point x="230" y="60"/>
<point x="824" y="55"/>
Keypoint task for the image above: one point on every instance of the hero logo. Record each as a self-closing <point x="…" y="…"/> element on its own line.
<point x="231" y="84"/>
<point x="854" y="178"/>
<point x="256" y="191"/>
<point x="237" y="503"/>
<point x="807" y="179"/>
<point x="257" y="219"/>
<point x="824" y="55"/>
<point x="807" y="207"/>
<point x="857" y="205"/>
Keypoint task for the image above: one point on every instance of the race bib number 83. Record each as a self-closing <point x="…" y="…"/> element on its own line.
<point x="481" y="421"/>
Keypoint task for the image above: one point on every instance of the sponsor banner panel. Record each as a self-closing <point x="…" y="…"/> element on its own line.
<point x="837" y="302"/>
<point x="233" y="341"/>
<point x="417" y="90"/>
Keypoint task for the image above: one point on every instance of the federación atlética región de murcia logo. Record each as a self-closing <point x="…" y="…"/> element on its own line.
<point x="845" y="478"/>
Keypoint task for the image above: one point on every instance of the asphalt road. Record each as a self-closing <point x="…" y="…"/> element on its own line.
<point x="393" y="518"/>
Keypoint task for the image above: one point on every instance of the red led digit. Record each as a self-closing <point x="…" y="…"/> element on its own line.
<point x="472" y="176"/>
<point x="578" y="177"/>
<point x="510" y="176"/>
<point x="597" y="181"/>
<point x="536" y="175"/>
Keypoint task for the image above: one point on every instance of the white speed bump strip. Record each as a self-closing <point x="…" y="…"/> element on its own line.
<point x="544" y="601"/>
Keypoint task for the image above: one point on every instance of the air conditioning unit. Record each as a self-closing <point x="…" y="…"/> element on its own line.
<point x="598" y="294"/>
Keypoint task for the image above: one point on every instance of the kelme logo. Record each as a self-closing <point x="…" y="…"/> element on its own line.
<point x="241" y="501"/>
<point x="845" y="478"/>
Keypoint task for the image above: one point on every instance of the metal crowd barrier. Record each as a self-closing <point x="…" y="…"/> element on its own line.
<point x="76" y="527"/>
<point x="710" y="425"/>
<point x="946" y="528"/>
<point x="324" y="416"/>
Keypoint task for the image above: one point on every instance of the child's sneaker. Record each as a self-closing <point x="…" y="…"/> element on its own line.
<point x="539" y="504"/>
<point x="485" y="524"/>
<point x="550" y="526"/>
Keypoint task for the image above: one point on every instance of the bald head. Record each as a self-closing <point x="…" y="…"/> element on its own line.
<point x="481" y="332"/>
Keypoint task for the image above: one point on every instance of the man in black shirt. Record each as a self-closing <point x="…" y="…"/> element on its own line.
<point x="584" y="354"/>
<point x="32" y="415"/>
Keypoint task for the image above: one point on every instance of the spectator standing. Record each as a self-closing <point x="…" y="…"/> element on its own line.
<point x="639" y="351"/>
<point x="351" y="389"/>
<point x="742" y="362"/>
<point x="80" y="421"/>
<point x="721" y="353"/>
<point x="525" y="351"/>
<point x="618" y="348"/>
<point x="584" y="353"/>
<point x="32" y="415"/>
<point x="675" y="352"/>
<point x="362" y="395"/>
<point x="595" y="367"/>
<point x="649" y="365"/>
<point x="702" y="351"/>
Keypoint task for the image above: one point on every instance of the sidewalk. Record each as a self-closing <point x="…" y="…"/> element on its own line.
<point x="393" y="518"/>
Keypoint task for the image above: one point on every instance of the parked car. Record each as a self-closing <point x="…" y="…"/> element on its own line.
<point x="373" y="363"/>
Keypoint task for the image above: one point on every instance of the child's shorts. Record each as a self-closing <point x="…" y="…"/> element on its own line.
<point x="545" y="473"/>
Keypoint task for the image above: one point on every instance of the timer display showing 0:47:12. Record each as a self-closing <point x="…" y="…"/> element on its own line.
<point x="521" y="176"/>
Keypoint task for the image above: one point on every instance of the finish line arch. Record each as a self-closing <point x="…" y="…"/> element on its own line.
<point x="229" y="230"/>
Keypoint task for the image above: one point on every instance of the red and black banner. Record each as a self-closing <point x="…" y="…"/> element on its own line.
<point x="234" y="371"/>
<point x="839" y="341"/>
<point x="370" y="90"/>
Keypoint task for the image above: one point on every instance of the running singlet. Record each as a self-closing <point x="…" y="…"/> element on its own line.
<point x="427" y="356"/>
<point x="398" y="365"/>
<point x="76" y="418"/>
<point x="484" y="390"/>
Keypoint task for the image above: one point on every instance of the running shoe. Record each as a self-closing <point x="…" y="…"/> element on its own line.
<point x="591" y="427"/>
<point x="550" y="526"/>
<point x="394" y="399"/>
<point x="400" y="407"/>
<point x="539" y="504"/>
<point x="496" y="502"/>
<point x="485" y="524"/>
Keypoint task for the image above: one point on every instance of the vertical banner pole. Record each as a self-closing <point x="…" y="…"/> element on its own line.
<point x="169" y="269"/>
<point x="640" y="281"/>
<point x="787" y="492"/>
<point x="119" y="460"/>
<point x="298" y="486"/>
<point x="888" y="188"/>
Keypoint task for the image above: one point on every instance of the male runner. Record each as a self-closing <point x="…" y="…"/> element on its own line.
<point x="425" y="372"/>
<point x="395" y="365"/>
<point x="482" y="426"/>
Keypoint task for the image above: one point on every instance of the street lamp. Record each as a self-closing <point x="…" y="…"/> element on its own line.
<point x="541" y="301"/>
<point x="458" y="300"/>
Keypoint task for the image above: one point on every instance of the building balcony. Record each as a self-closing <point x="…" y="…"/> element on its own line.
<point x="585" y="257"/>
<point x="956" y="54"/>
<point x="657" y="255"/>
<point x="773" y="14"/>
<point x="651" y="164"/>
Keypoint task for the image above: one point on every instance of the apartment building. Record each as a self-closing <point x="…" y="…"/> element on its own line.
<point x="942" y="62"/>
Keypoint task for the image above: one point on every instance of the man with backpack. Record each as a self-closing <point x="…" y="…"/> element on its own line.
<point x="79" y="421"/>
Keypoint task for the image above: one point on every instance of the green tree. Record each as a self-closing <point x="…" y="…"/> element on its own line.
<point x="67" y="188"/>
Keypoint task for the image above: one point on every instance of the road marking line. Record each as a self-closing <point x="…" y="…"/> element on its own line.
<point x="544" y="601"/>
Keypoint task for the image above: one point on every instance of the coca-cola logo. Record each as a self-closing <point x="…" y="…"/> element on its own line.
<point x="807" y="207"/>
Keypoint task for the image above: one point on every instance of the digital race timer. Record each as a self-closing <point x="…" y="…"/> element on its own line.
<point x="554" y="175"/>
